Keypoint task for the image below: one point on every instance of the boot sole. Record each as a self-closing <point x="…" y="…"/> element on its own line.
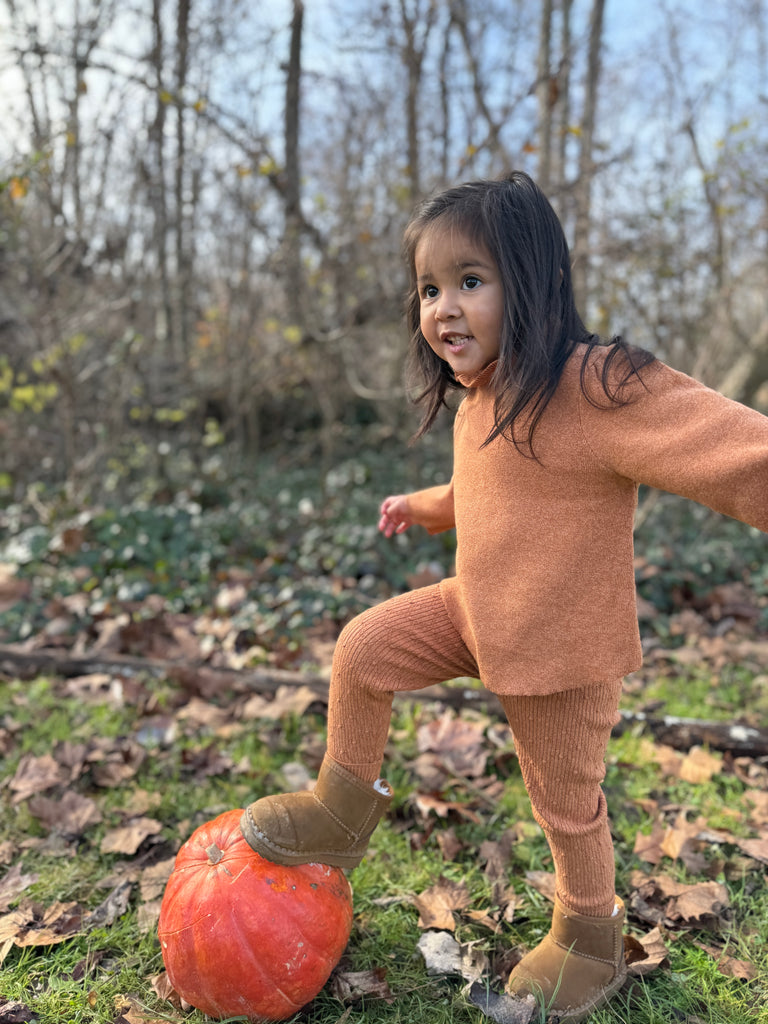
<point x="582" y="1012"/>
<point x="289" y="858"/>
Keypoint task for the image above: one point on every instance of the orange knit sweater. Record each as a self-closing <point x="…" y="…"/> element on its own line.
<point x="544" y="592"/>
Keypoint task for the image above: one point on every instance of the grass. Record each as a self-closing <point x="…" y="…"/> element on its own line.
<point x="187" y="776"/>
<point x="85" y="977"/>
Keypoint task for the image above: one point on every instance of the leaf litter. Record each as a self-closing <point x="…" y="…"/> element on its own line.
<point x="457" y="770"/>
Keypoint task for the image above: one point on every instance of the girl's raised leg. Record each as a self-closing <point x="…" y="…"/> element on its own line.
<point x="406" y="643"/>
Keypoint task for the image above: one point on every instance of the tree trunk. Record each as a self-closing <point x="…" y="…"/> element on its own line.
<point x="586" y="161"/>
<point x="184" y="261"/>
<point x="292" y="172"/>
<point x="544" y="97"/>
<point x="156" y="179"/>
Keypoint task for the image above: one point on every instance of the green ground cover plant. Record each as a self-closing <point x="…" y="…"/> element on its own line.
<point x="106" y="770"/>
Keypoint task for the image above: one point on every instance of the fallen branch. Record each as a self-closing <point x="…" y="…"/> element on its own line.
<point x="684" y="733"/>
<point x="209" y="681"/>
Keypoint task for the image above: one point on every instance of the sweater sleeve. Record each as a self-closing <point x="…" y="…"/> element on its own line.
<point x="678" y="435"/>
<point x="432" y="508"/>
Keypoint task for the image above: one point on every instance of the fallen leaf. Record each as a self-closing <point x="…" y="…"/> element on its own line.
<point x="503" y="1009"/>
<point x="426" y="802"/>
<point x="699" y="766"/>
<point x="662" y="900"/>
<point x="668" y="759"/>
<point x="153" y="879"/>
<point x="114" y="906"/>
<point x="649" y="847"/>
<point x="543" y="882"/>
<point x="679" y="836"/>
<point x="484" y="918"/>
<point x="31" y="924"/>
<point x="497" y="854"/>
<point x="728" y="965"/>
<point x="450" y="845"/>
<point x="755" y="848"/>
<point x="444" y="955"/>
<point x="436" y="904"/>
<point x="15" y="1013"/>
<point x="459" y="743"/>
<point x="35" y="775"/>
<point x="13" y="884"/>
<point x="115" y="764"/>
<point x="288" y="700"/>
<point x="96" y="688"/>
<point x="352" y="986"/>
<point x="131" y="1011"/>
<point x="645" y="954"/>
<point x="128" y="838"/>
<point x="758" y="799"/>
<point x="70" y="816"/>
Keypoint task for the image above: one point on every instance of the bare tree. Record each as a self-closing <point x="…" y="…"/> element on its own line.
<point x="586" y="170"/>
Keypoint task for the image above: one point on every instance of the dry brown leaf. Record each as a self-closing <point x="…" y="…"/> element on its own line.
<point x="649" y="847"/>
<point x="201" y="713"/>
<point x="114" y="764"/>
<point x="680" y="835"/>
<point x="72" y="757"/>
<point x="96" y="688"/>
<point x="32" y="924"/>
<point x="35" y="775"/>
<point x="758" y="799"/>
<point x="288" y="700"/>
<point x="140" y="801"/>
<point x="12" y="1012"/>
<point x="668" y="759"/>
<point x="425" y="803"/>
<point x="459" y="743"/>
<point x="645" y="954"/>
<point x="128" y="838"/>
<point x="352" y="986"/>
<point x="13" y="884"/>
<point x="148" y="915"/>
<point x="436" y="904"/>
<point x="114" y="906"/>
<point x="131" y="1011"/>
<point x="744" y="970"/>
<point x="153" y="879"/>
<point x="543" y="882"/>
<point x="497" y="854"/>
<point x="662" y="900"/>
<point x="483" y="917"/>
<point x="70" y="816"/>
<point x="699" y="765"/>
<point x="755" y="848"/>
<point x="450" y="845"/>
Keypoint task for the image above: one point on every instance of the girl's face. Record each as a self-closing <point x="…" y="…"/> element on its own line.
<point x="461" y="299"/>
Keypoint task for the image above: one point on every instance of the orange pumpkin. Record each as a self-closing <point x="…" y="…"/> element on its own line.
<point x="243" y="936"/>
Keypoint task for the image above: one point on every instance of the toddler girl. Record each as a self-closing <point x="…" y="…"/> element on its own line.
<point x="553" y="435"/>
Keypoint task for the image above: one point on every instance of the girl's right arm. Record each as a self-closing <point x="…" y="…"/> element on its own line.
<point x="431" y="508"/>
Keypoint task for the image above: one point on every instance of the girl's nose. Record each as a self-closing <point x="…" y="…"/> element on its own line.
<point x="447" y="308"/>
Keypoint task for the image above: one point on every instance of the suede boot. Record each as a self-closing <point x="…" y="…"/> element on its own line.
<point x="330" y="825"/>
<point x="577" y="967"/>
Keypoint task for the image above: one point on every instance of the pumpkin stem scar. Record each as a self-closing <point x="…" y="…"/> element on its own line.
<point x="214" y="854"/>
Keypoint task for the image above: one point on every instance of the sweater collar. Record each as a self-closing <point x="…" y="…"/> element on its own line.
<point x="480" y="378"/>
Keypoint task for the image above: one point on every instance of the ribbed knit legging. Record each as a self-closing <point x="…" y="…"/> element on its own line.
<point x="408" y="643"/>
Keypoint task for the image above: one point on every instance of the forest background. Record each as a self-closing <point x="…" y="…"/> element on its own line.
<point x="202" y="206"/>
<point x="202" y="405"/>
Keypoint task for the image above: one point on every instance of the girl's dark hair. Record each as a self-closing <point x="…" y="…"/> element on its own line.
<point x="541" y="326"/>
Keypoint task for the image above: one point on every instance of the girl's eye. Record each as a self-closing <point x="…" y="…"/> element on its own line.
<point x="471" y="282"/>
<point x="429" y="291"/>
